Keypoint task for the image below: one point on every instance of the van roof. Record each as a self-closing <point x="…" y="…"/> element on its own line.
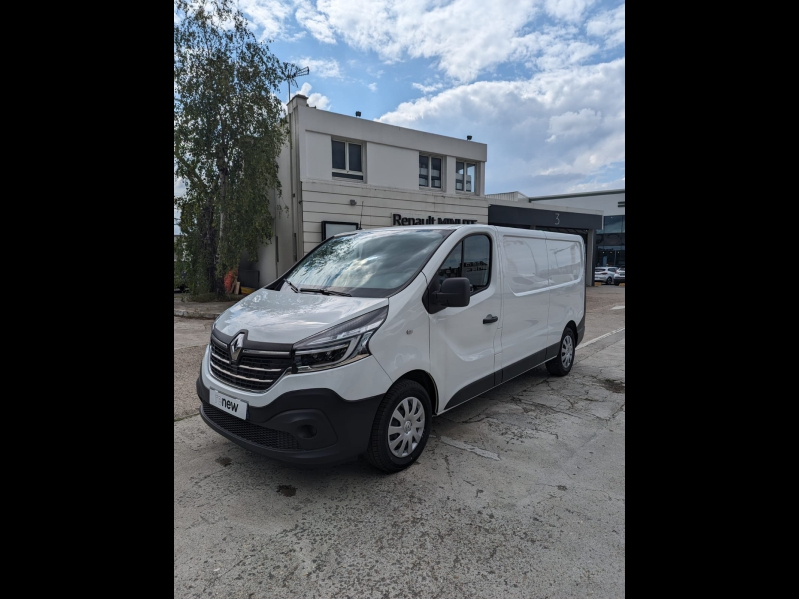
<point x="537" y="233"/>
<point x="503" y="230"/>
<point x="408" y="228"/>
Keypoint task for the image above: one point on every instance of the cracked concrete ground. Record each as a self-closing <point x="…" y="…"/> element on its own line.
<point x="519" y="493"/>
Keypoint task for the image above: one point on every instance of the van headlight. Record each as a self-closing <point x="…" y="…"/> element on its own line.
<point x="342" y="344"/>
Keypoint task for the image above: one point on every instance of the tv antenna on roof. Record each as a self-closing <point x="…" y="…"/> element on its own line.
<point x="290" y="72"/>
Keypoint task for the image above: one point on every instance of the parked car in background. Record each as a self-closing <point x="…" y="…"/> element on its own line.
<point x="619" y="276"/>
<point x="605" y="274"/>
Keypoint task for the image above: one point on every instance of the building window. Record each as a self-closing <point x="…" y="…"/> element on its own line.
<point x="464" y="176"/>
<point x="429" y="171"/>
<point x="610" y="255"/>
<point x="347" y="160"/>
<point x="330" y="228"/>
<point x="613" y="224"/>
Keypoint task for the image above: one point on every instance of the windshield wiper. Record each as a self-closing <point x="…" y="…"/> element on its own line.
<point x="292" y="286"/>
<point x="324" y="292"/>
<point x="328" y="292"/>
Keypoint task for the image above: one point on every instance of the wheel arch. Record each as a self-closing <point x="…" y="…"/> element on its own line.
<point x="425" y="380"/>
<point x="571" y="325"/>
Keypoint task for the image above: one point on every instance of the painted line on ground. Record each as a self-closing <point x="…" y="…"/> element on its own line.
<point x="617" y="308"/>
<point x="600" y="337"/>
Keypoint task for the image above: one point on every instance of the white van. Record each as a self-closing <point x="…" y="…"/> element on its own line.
<point x="370" y="335"/>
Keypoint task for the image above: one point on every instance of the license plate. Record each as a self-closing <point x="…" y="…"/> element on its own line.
<point x="227" y="404"/>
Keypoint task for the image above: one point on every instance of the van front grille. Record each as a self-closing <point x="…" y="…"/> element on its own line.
<point x="253" y="372"/>
<point x="265" y="437"/>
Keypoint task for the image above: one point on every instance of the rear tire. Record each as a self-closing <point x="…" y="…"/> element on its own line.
<point x="401" y="427"/>
<point x="609" y="280"/>
<point x="561" y="364"/>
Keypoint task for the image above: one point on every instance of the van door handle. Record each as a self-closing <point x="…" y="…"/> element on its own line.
<point x="489" y="319"/>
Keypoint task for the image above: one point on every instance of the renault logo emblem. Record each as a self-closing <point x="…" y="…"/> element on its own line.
<point x="235" y="347"/>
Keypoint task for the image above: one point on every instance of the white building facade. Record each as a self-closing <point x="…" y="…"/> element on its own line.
<point x="339" y="172"/>
<point x="610" y="238"/>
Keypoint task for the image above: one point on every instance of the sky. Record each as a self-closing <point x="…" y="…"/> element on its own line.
<point x="541" y="82"/>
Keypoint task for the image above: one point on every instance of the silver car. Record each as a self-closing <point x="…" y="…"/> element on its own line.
<point x="605" y="274"/>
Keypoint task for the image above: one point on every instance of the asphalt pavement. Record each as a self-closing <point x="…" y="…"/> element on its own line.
<point x="519" y="493"/>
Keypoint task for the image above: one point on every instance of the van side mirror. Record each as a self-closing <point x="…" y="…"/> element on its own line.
<point x="454" y="293"/>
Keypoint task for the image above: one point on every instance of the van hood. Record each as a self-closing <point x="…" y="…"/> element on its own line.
<point x="287" y="317"/>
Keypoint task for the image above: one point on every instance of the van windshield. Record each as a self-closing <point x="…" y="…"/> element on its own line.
<point x="366" y="264"/>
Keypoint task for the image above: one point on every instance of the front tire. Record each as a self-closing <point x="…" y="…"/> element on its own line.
<point x="561" y="364"/>
<point x="401" y="427"/>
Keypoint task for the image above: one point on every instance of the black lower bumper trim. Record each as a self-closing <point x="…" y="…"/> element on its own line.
<point x="247" y="431"/>
<point x="312" y="426"/>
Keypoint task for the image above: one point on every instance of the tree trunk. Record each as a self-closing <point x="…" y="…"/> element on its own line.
<point x="208" y="244"/>
<point x="221" y="166"/>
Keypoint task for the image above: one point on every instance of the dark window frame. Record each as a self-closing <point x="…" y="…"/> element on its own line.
<point x="462" y="241"/>
<point x="440" y="177"/>
<point x="466" y="165"/>
<point x="347" y="172"/>
<point x="337" y="222"/>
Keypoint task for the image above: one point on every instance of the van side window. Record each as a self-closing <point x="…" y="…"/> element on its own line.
<point x="452" y="265"/>
<point x="527" y="264"/>
<point x="471" y="258"/>
<point x="476" y="261"/>
<point x="565" y="261"/>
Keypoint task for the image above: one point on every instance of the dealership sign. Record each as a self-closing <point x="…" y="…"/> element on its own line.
<point x="398" y="220"/>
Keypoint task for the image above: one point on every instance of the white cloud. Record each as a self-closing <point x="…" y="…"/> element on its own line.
<point x="567" y="10"/>
<point x="318" y="100"/>
<point x="610" y="25"/>
<point x="574" y="123"/>
<point x="320" y="67"/>
<point x="314" y="21"/>
<point x="426" y="89"/>
<point x="552" y="48"/>
<point x="579" y="111"/>
<point x="372" y="86"/>
<point x="268" y="15"/>
<point x="595" y="185"/>
<point x="463" y="36"/>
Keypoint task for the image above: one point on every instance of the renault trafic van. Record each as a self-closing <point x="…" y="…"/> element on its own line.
<point x="371" y="334"/>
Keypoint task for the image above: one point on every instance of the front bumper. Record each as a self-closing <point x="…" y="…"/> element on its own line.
<point x="309" y="426"/>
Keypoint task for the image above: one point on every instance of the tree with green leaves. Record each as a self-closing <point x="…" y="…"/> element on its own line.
<point x="229" y="129"/>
